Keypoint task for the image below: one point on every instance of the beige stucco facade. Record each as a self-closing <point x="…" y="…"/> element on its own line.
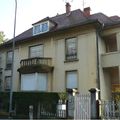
<point x="86" y="64"/>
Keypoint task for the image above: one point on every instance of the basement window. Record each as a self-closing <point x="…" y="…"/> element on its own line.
<point x="110" y="43"/>
<point x="40" y="28"/>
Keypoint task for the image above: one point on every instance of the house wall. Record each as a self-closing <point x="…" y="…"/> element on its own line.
<point x="107" y="62"/>
<point x="6" y="72"/>
<point x="86" y="64"/>
<point x="54" y="47"/>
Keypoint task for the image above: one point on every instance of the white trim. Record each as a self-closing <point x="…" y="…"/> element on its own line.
<point x="40" y="26"/>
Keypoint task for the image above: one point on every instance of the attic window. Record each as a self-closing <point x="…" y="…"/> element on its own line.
<point x="40" y="28"/>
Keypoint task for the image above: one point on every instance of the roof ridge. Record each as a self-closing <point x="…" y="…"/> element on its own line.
<point x="104" y="16"/>
<point x="64" y="13"/>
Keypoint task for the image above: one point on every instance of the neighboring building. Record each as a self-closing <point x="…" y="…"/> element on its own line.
<point x="74" y="50"/>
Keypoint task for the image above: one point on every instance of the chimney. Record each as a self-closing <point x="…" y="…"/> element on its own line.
<point x="68" y="7"/>
<point x="87" y="11"/>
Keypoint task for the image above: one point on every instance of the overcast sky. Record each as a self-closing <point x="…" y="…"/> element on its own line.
<point x="31" y="11"/>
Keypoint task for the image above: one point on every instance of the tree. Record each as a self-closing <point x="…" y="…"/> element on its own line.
<point x="2" y="37"/>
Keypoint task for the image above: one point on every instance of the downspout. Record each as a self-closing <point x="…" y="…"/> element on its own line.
<point x="98" y="62"/>
<point x="98" y="30"/>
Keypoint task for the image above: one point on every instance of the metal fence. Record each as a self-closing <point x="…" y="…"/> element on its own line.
<point x="110" y="110"/>
<point x="52" y="111"/>
<point x="82" y="106"/>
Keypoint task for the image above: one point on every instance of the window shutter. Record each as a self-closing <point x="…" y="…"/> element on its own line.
<point x="28" y="82"/>
<point x="72" y="80"/>
<point x="36" y="51"/>
<point x="42" y="81"/>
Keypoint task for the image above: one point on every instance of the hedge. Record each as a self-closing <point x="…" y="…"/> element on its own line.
<point x="22" y="100"/>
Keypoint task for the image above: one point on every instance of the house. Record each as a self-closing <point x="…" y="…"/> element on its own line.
<point x="76" y="50"/>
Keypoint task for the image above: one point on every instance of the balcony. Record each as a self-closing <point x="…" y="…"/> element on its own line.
<point x="111" y="59"/>
<point x="36" y="64"/>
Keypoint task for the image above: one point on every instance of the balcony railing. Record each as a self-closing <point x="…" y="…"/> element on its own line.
<point x="36" y="61"/>
<point x="37" y="64"/>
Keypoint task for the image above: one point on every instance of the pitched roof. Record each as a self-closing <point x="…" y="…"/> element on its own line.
<point x="74" y="18"/>
<point x="115" y="18"/>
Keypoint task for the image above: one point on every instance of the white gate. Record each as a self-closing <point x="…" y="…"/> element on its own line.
<point x="82" y="106"/>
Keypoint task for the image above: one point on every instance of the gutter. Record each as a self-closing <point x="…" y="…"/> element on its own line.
<point x="115" y="24"/>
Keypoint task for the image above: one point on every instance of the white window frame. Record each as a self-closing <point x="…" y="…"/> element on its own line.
<point x="40" y="29"/>
<point x="41" y="53"/>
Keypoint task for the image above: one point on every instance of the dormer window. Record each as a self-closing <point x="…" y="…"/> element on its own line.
<point x="41" y="28"/>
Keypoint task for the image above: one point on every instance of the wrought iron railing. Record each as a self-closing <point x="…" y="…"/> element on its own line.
<point x="36" y="61"/>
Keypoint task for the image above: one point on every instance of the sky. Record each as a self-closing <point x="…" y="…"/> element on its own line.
<point x="31" y="11"/>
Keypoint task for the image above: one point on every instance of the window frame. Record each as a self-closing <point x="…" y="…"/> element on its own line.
<point x="9" y="64"/>
<point x="1" y="80"/>
<point x="0" y="60"/>
<point x="40" y="25"/>
<point x="29" y="54"/>
<point x="66" y="72"/>
<point x="36" y="80"/>
<point x="6" y="82"/>
<point x="66" y="49"/>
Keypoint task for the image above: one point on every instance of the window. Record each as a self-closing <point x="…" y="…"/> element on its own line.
<point x="110" y="43"/>
<point x="40" y="28"/>
<point x="34" y="81"/>
<point x="9" y="60"/>
<point x="7" y="83"/>
<point x="36" y="51"/>
<point x="42" y="81"/>
<point x="0" y="61"/>
<point x="0" y="81"/>
<point x="71" y="77"/>
<point x="71" y="49"/>
<point x="44" y="27"/>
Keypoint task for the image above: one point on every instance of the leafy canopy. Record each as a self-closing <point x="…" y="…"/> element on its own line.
<point x="2" y="37"/>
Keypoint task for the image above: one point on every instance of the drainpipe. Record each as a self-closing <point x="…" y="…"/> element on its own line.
<point x="97" y="49"/>
<point x="98" y="30"/>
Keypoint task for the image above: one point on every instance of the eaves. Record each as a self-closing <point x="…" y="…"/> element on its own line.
<point x="95" y="23"/>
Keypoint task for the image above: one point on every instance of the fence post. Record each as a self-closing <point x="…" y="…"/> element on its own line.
<point x="66" y="108"/>
<point x="94" y="104"/>
<point x="31" y="112"/>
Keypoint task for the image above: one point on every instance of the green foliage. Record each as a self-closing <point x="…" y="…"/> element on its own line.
<point x="2" y="37"/>
<point x="116" y="97"/>
<point x="4" y="98"/>
<point x="22" y="101"/>
<point x="63" y="95"/>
